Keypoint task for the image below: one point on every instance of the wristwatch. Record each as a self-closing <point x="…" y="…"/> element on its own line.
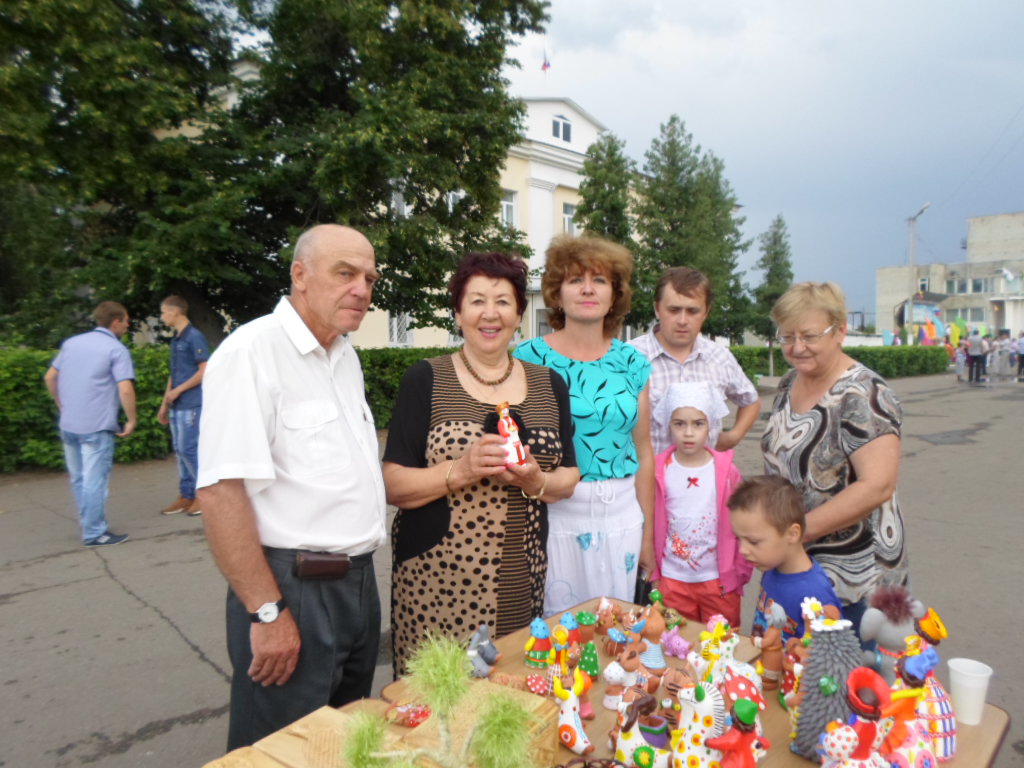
<point x="267" y="612"/>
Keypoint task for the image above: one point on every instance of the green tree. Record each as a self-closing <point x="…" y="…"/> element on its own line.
<point x="686" y="216"/>
<point x="777" y="275"/>
<point x="605" y="190"/>
<point x="96" y="102"/>
<point x="390" y="116"/>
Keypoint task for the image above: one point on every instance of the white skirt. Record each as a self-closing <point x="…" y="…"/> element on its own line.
<point x="594" y="540"/>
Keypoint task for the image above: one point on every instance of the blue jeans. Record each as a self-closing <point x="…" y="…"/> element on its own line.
<point x="185" y="436"/>
<point x="89" y="458"/>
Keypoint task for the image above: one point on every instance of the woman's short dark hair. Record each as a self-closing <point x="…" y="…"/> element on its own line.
<point x="568" y="256"/>
<point x="497" y="265"/>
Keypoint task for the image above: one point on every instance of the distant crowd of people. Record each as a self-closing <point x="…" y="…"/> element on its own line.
<point x="979" y="357"/>
<point x="621" y="469"/>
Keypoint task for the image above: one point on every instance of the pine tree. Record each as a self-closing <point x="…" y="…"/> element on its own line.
<point x="604" y="205"/>
<point x="589" y="661"/>
<point x="777" y="268"/>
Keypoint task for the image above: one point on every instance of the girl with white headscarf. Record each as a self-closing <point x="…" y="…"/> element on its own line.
<point x="700" y="571"/>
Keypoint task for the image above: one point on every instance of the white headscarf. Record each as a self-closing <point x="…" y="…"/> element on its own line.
<point x="693" y="394"/>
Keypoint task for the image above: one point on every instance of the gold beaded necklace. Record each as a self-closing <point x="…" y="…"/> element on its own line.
<point x="478" y="377"/>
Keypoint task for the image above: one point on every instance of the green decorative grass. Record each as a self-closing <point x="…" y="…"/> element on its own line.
<point x="502" y="737"/>
<point x="439" y="673"/>
<point x="363" y="740"/>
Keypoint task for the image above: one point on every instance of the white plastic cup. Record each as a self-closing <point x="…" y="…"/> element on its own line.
<point x="968" y="685"/>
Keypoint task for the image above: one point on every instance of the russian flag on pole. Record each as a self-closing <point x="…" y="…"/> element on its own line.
<point x="547" y="63"/>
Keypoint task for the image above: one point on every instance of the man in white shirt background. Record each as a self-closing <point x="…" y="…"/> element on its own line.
<point x="291" y="491"/>
<point x="678" y="352"/>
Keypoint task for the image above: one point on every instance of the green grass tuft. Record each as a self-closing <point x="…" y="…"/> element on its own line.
<point x="502" y="738"/>
<point x="439" y="672"/>
<point x="364" y="738"/>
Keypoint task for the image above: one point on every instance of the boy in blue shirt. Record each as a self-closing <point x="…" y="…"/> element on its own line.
<point x="183" y="399"/>
<point x="768" y="518"/>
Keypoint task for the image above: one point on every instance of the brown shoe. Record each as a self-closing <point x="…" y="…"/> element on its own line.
<point x="180" y="504"/>
<point x="193" y="508"/>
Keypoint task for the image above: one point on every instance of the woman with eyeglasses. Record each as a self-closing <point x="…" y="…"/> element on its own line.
<point x="834" y="432"/>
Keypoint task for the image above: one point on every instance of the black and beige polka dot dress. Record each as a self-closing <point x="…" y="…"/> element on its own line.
<point x="476" y="555"/>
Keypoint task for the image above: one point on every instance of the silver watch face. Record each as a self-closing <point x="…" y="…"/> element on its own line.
<point x="267" y="612"/>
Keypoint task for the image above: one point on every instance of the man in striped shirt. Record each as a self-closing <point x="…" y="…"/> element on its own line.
<point x="678" y="352"/>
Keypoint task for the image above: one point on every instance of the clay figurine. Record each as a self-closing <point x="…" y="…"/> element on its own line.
<point x="587" y="622"/>
<point x="770" y="643"/>
<point x="702" y="716"/>
<point x="507" y="428"/>
<point x="629" y="743"/>
<point x="653" y="659"/>
<point x="622" y="672"/>
<point x="482" y="651"/>
<point x="916" y="669"/>
<point x="570" y="726"/>
<point x="740" y="744"/>
<point x="855" y="744"/>
<point x="572" y="626"/>
<point x="607" y="615"/>
<point x="674" y="644"/>
<point x="888" y="621"/>
<point x="833" y="653"/>
<point x="538" y="647"/>
<point x="908" y="741"/>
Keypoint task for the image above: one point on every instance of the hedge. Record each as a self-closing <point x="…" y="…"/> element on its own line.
<point x="28" y="417"/>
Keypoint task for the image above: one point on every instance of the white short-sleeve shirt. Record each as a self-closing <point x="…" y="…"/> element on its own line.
<point x="291" y="420"/>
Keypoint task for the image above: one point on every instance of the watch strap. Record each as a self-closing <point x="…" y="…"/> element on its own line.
<point x="256" y="616"/>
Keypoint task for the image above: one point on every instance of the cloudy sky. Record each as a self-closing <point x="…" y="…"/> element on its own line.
<point x="844" y="117"/>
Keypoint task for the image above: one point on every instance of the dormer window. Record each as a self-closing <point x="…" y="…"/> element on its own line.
<point x="561" y="128"/>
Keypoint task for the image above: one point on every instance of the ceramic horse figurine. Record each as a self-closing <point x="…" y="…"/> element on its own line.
<point x="627" y="741"/>
<point x="702" y="716"/>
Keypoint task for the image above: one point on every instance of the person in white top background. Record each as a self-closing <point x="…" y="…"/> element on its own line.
<point x="292" y="495"/>
<point x="678" y="352"/>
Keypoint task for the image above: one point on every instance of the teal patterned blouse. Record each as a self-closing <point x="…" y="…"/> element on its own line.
<point x="603" y="399"/>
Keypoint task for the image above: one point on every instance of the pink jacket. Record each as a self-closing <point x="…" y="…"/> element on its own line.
<point x="733" y="569"/>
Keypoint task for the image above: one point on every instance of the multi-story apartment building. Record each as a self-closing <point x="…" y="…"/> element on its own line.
<point x="540" y="191"/>
<point x="985" y="289"/>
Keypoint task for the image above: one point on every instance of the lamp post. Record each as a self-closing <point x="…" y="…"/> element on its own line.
<point x="908" y="310"/>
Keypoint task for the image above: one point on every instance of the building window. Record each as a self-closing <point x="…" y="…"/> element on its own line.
<point x="951" y="287"/>
<point x="561" y="128"/>
<point x="399" y="333"/>
<point x="540" y="322"/>
<point x="977" y="315"/>
<point x="922" y="283"/>
<point x="508" y="208"/>
<point x="568" y="216"/>
<point x="979" y="285"/>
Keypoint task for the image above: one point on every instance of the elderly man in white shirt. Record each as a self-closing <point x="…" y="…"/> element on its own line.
<point x="291" y="491"/>
<point x="678" y="352"/>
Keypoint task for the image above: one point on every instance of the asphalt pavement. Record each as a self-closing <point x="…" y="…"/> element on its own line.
<point x="115" y="656"/>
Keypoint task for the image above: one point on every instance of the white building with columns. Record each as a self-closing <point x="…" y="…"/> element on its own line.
<point x="540" y="191"/>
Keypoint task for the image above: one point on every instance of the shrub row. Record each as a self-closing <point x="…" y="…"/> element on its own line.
<point x="28" y="417"/>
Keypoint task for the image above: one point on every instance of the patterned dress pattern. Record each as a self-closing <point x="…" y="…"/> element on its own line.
<point x="478" y="554"/>
<point x="812" y="450"/>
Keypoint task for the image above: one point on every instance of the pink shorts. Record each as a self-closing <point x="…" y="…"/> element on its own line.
<point x="701" y="601"/>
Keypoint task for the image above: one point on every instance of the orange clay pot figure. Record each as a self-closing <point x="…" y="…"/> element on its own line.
<point x="507" y="428"/>
<point x="770" y="643"/>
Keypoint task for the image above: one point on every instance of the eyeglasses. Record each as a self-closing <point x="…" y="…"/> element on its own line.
<point x="807" y="339"/>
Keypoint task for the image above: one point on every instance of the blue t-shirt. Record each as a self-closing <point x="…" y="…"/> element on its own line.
<point x="603" y="398"/>
<point x="789" y="591"/>
<point x="188" y="349"/>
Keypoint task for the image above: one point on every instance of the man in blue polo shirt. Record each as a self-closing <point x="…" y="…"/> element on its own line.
<point x="90" y="375"/>
<point x="183" y="400"/>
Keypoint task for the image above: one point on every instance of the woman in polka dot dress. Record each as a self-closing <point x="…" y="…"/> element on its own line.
<point x="470" y="533"/>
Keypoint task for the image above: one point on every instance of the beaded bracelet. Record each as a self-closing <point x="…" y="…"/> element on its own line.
<point x="543" y="487"/>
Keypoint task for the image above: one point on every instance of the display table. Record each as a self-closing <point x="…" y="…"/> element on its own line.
<point x="314" y="741"/>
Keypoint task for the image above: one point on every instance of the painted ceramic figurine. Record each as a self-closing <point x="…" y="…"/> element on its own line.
<point x="622" y="672"/>
<point x="538" y="647"/>
<point x="834" y="652"/>
<point x="855" y="744"/>
<point x="741" y="743"/>
<point x="570" y="726"/>
<point x="572" y="626"/>
<point x="653" y="659"/>
<point x="607" y="615"/>
<point x="507" y="428"/>
<point x="908" y="742"/>
<point x="674" y="644"/>
<point x="916" y="669"/>
<point x="482" y="651"/>
<point x="770" y="643"/>
<point x="560" y="648"/>
<point x="627" y="741"/>
<point x="702" y="717"/>
<point x="888" y="621"/>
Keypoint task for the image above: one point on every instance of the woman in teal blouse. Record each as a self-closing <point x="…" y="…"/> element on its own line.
<point x="601" y="537"/>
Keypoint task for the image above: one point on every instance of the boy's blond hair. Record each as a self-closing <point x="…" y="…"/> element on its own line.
<point x="779" y="500"/>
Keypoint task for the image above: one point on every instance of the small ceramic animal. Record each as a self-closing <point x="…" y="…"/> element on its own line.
<point x="570" y="726"/>
<point x="482" y="651"/>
